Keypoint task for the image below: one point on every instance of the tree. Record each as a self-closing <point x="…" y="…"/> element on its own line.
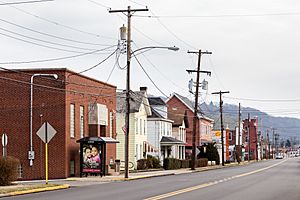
<point x="288" y="143"/>
<point x="210" y="152"/>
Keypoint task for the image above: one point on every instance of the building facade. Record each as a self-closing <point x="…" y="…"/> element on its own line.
<point x="63" y="99"/>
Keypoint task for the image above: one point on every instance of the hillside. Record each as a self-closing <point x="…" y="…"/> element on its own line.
<point x="287" y="127"/>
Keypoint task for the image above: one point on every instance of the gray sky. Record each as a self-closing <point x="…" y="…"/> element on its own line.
<point x="255" y="45"/>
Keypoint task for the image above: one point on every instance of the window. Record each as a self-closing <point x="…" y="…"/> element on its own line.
<point x="20" y="171"/>
<point x="230" y="136"/>
<point x="141" y="151"/>
<point x="72" y="120"/>
<point x="111" y="123"/>
<point x="137" y="151"/>
<point x="81" y="115"/>
<point x="136" y="126"/>
<point x="144" y="127"/>
<point x="141" y="126"/>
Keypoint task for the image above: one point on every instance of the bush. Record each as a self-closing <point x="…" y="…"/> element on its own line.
<point x="149" y="163"/>
<point x="8" y="170"/>
<point x="202" y="162"/>
<point x="185" y="163"/>
<point x="172" y="163"/>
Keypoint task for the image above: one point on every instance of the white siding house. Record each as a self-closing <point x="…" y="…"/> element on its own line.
<point x="139" y="110"/>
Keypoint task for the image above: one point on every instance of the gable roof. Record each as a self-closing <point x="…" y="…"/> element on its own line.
<point x="156" y="101"/>
<point x="170" y="140"/>
<point x="190" y="104"/>
<point x="155" y="114"/>
<point x="137" y="98"/>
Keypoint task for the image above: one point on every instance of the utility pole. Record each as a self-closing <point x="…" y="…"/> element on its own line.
<point x="129" y="14"/>
<point x="239" y="149"/>
<point x="222" y="126"/>
<point x="273" y="142"/>
<point x="269" y="144"/>
<point x="249" y="143"/>
<point x="196" y="104"/>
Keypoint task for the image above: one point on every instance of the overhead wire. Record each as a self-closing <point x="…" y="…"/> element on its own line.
<point x="51" y="35"/>
<point x="45" y="41"/>
<point x="23" y="2"/>
<point x="61" y="25"/>
<point x="55" y="59"/>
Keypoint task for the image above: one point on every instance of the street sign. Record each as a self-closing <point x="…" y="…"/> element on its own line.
<point x="4" y="140"/>
<point x="46" y="132"/>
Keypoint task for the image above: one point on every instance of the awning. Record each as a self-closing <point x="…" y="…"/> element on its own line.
<point x="97" y="140"/>
<point x="170" y="141"/>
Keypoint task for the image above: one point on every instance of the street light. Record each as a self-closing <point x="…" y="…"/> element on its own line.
<point x="31" y="152"/>
<point x="129" y="54"/>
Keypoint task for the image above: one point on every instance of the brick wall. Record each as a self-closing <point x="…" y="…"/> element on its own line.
<point x="53" y="106"/>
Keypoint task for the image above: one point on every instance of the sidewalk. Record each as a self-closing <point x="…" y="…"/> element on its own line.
<point x="25" y="187"/>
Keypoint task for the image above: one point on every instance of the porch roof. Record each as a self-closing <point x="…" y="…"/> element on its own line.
<point x="170" y="141"/>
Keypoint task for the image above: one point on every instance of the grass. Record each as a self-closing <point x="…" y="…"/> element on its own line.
<point x="17" y="188"/>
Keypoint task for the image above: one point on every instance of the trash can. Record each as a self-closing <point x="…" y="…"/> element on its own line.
<point x="117" y="165"/>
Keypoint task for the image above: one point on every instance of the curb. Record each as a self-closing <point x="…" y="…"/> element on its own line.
<point x="64" y="186"/>
<point x="142" y="177"/>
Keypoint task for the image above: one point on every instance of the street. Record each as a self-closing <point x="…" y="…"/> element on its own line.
<point x="274" y="179"/>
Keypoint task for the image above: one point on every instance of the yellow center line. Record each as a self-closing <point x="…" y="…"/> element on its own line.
<point x="197" y="187"/>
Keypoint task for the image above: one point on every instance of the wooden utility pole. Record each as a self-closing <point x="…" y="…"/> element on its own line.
<point x="249" y="143"/>
<point x="129" y="14"/>
<point x="196" y="104"/>
<point x="239" y="149"/>
<point x="222" y="126"/>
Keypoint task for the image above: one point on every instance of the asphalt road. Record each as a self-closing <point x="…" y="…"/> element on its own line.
<point x="268" y="180"/>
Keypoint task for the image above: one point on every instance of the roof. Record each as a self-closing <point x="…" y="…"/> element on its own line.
<point x="155" y="114"/>
<point x="57" y="69"/>
<point x="137" y="99"/>
<point x="170" y="140"/>
<point x="157" y="101"/>
<point x="98" y="140"/>
<point x="178" y="116"/>
<point x="190" y="104"/>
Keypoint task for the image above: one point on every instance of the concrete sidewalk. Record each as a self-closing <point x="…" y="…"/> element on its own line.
<point x="25" y="187"/>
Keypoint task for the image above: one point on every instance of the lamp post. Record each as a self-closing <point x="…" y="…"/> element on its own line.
<point x="31" y="152"/>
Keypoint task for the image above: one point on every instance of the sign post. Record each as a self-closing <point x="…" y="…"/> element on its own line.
<point x="4" y="144"/>
<point x="46" y="133"/>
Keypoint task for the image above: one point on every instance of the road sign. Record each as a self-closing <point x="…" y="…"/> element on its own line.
<point x="4" y="140"/>
<point x="46" y="132"/>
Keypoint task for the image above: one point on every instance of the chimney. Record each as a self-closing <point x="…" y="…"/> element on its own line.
<point x="143" y="89"/>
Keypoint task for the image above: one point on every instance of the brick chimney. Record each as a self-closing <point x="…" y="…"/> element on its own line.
<point x="143" y="89"/>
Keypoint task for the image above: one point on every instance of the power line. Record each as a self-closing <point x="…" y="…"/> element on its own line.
<point x="62" y="25"/>
<point x="149" y="77"/>
<point x="54" y="59"/>
<point x="50" y="35"/>
<point x="45" y="41"/>
<point x="221" y="16"/>
<point x="88" y="69"/>
<point x="24" y="2"/>
<point x="41" y="45"/>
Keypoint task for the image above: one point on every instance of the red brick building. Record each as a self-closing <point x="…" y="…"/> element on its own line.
<point x="66" y="104"/>
<point x="253" y="138"/>
<point x="204" y="134"/>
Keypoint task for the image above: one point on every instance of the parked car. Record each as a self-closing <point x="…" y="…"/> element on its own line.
<point x="279" y="156"/>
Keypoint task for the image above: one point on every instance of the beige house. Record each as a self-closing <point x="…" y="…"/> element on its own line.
<point x="139" y="110"/>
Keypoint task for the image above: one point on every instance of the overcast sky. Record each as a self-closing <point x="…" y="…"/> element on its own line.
<point x="255" y="45"/>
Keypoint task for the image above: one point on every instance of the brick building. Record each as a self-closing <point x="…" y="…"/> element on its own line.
<point x="203" y="134"/>
<point x="66" y="104"/>
<point x="253" y="138"/>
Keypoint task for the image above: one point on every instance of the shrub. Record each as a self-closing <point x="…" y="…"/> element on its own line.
<point x="172" y="163"/>
<point x="8" y="170"/>
<point x="149" y="163"/>
<point x="185" y="163"/>
<point x="202" y="162"/>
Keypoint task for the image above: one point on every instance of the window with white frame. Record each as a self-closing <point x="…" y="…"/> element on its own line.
<point x="81" y="115"/>
<point x="72" y="120"/>
<point x="136" y="126"/>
